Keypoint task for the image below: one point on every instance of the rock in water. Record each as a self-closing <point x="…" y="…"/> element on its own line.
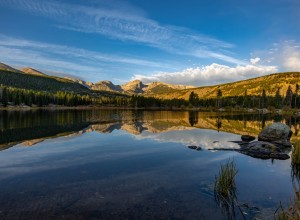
<point x="194" y="147"/>
<point x="264" y="150"/>
<point x="276" y="133"/>
<point x="247" y="138"/>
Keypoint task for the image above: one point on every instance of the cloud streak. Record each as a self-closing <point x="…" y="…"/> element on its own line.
<point x="209" y="75"/>
<point x="83" y="63"/>
<point x="127" y="25"/>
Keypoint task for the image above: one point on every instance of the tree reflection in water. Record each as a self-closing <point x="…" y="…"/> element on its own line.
<point x="193" y="118"/>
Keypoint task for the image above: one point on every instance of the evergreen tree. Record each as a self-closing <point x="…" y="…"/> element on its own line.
<point x="4" y="96"/>
<point x="288" y="97"/>
<point x="264" y="99"/>
<point x="245" y="101"/>
<point x="193" y="99"/>
<point x="219" y="98"/>
<point x="278" y="99"/>
<point x="296" y="95"/>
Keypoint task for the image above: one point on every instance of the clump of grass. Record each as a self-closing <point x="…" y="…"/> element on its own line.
<point x="225" y="186"/>
<point x="225" y="189"/>
<point x="295" y="163"/>
<point x="293" y="211"/>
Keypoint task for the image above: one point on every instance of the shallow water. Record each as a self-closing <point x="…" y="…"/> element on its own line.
<point x="132" y="165"/>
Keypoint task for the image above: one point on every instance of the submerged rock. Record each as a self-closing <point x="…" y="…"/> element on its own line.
<point x="247" y="138"/>
<point x="264" y="150"/>
<point x="277" y="133"/>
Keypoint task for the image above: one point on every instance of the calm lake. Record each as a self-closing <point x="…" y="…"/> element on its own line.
<point x="113" y="164"/>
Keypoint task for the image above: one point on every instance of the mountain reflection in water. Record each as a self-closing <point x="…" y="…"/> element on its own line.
<point x="31" y="127"/>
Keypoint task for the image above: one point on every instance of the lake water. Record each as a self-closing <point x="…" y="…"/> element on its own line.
<point x="100" y="164"/>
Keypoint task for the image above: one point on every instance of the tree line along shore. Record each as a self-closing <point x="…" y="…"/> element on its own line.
<point x="11" y="97"/>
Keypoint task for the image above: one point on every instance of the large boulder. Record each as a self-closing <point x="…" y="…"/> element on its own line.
<point x="276" y="133"/>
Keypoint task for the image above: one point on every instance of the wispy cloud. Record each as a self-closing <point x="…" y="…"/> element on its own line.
<point x="209" y="75"/>
<point x="127" y="24"/>
<point x="83" y="63"/>
<point x="74" y="52"/>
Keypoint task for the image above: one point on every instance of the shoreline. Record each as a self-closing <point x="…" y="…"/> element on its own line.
<point x="291" y="112"/>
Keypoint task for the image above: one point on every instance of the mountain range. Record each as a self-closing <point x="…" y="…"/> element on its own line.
<point x="29" y="78"/>
<point x="132" y="87"/>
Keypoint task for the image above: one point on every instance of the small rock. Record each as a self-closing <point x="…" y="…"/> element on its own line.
<point x="247" y="138"/>
<point x="194" y="147"/>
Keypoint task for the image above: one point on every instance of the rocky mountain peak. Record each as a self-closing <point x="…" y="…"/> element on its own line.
<point x="135" y="86"/>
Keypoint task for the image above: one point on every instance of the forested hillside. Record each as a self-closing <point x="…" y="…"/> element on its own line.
<point x="270" y="83"/>
<point x="40" y="83"/>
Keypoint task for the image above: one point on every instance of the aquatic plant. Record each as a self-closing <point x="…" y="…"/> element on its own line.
<point x="225" y="188"/>
<point x="295" y="162"/>
<point x="292" y="212"/>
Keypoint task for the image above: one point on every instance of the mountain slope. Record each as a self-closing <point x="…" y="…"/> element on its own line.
<point x="160" y="87"/>
<point x="32" y="71"/>
<point x="106" y="86"/>
<point x="5" y="67"/>
<point x="269" y="83"/>
<point x="18" y="79"/>
<point x="135" y="86"/>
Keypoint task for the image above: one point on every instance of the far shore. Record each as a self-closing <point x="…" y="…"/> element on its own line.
<point x="287" y="111"/>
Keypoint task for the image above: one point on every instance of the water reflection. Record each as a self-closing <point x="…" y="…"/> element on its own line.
<point x="32" y="127"/>
<point x="130" y="165"/>
<point x="291" y="209"/>
<point x="295" y="161"/>
<point x="193" y="118"/>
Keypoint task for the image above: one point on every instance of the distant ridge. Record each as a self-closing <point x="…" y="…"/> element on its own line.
<point x="138" y="87"/>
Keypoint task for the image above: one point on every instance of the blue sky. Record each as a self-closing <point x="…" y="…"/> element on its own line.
<point x="184" y="42"/>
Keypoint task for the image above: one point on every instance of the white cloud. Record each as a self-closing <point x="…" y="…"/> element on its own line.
<point x="209" y="75"/>
<point x="128" y="24"/>
<point x="255" y="60"/>
<point x="285" y="55"/>
<point x="291" y="58"/>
